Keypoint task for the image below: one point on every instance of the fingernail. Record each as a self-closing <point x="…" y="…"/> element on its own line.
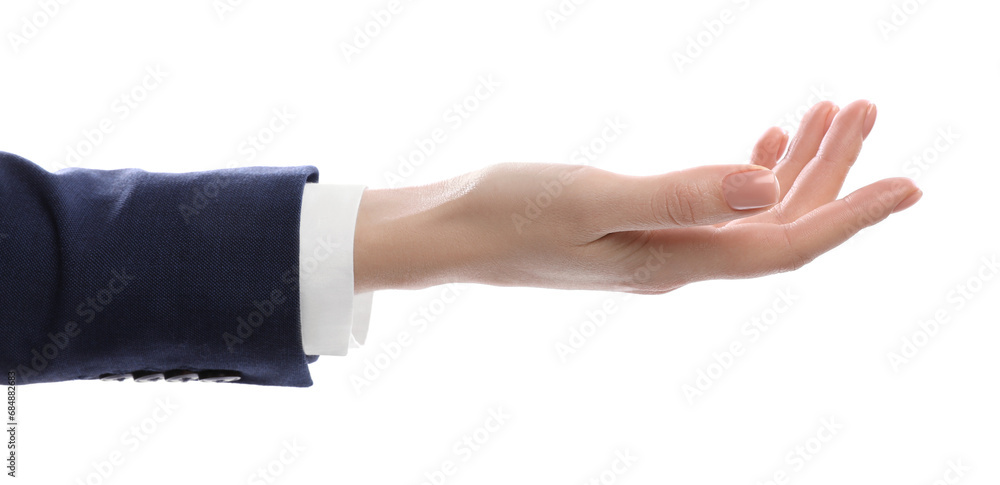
<point x="869" y="120"/>
<point x="751" y="190"/>
<point x="831" y="116"/>
<point x="908" y="201"/>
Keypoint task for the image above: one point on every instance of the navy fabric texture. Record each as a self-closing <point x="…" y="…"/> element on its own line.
<point x="118" y="271"/>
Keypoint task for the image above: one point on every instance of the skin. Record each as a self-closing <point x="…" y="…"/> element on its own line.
<point x="598" y="230"/>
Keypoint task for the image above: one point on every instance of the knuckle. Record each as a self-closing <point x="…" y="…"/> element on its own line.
<point x="679" y="204"/>
<point x="794" y="258"/>
<point x="860" y="217"/>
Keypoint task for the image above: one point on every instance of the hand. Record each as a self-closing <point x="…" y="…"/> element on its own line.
<point x="580" y="227"/>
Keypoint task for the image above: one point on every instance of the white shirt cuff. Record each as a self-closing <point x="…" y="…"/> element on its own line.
<point x="333" y="317"/>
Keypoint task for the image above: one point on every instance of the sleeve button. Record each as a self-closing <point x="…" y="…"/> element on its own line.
<point x="115" y="377"/>
<point x="180" y="376"/>
<point x="218" y="376"/>
<point x="147" y="376"/>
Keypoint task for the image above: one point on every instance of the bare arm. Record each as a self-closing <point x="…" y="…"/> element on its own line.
<point x="579" y="227"/>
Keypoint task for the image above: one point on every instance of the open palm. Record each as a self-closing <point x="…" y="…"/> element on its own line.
<point x="808" y="220"/>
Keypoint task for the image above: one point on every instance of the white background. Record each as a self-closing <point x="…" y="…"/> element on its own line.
<point x="824" y="357"/>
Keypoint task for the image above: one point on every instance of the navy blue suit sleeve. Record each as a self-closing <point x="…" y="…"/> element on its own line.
<point x="128" y="271"/>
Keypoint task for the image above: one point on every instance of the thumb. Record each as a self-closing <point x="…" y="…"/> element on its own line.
<point x="697" y="196"/>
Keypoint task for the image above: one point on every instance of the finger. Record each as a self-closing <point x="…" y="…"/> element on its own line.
<point x="805" y="143"/>
<point x="751" y="250"/>
<point x="769" y="147"/>
<point x="784" y="145"/>
<point x="696" y="196"/>
<point x="821" y="181"/>
<point x="830" y="225"/>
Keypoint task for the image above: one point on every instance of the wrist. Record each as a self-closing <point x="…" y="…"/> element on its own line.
<point x="413" y="237"/>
